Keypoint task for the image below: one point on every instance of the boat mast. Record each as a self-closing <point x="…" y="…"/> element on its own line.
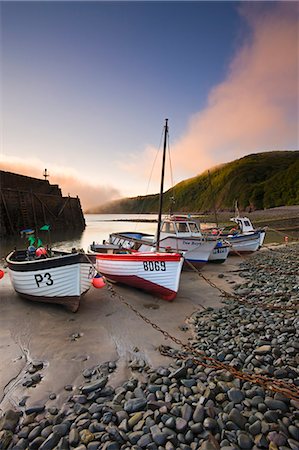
<point x="162" y="185"/>
<point x="214" y="200"/>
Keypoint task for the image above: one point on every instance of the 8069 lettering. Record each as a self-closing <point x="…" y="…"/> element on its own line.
<point x="154" y="266"/>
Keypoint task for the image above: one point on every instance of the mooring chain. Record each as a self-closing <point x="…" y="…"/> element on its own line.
<point x="290" y="391"/>
<point x="198" y="356"/>
<point x="271" y="384"/>
<point x="242" y="300"/>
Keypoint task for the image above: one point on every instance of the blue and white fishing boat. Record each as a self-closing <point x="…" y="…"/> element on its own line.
<point x="242" y="236"/>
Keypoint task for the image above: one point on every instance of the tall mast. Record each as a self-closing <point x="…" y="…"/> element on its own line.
<point x="214" y="199"/>
<point x="162" y="185"/>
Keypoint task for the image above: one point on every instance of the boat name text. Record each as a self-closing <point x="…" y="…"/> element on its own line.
<point x="154" y="266"/>
<point x="43" y="278"/>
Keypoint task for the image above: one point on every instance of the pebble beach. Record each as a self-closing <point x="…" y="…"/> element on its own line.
<point x="106" y="380"/>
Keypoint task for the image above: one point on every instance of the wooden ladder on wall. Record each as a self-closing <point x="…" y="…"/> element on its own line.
<point x="26" y="222"/>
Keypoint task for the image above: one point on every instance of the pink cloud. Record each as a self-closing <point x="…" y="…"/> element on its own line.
<point x="256" y="107"/>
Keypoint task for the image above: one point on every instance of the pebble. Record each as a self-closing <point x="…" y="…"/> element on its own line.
<point x="188" y="406"/>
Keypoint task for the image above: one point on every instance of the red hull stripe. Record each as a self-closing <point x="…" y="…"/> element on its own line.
<point x="140" y="257"/>
<point x="140" y="283"/>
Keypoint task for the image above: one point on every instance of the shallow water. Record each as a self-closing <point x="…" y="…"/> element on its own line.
<point x="99" y="226"/>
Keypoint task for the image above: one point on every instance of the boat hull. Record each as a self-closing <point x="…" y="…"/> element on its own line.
<point x="62" y="279"/>
<point x="244" y="243"/>
<point x="219" y="254"/>
<point x="156" y="273"/>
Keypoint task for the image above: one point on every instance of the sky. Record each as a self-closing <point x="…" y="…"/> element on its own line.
<point x="86" y="87"/>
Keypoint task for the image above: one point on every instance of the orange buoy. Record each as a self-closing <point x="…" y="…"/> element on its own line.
<point x="98" y="282"/>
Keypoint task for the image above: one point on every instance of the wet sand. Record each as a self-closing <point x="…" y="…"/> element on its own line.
<point x="102" y="330"/>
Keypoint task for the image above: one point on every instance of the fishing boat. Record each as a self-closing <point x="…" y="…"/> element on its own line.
<point x="155" y="272"/>
<point x="242" y="236"/>
<point x="151" y="270"/>
<point x="51" y="276"/>
<point x="181" y="234"/>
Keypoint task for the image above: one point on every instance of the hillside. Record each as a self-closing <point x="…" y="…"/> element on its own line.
<point x="257" y="181"/>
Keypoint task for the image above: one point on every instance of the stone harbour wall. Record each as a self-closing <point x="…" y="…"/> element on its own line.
<point x="28" y="202"/>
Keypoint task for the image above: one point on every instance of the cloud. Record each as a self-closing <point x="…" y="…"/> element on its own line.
<point x="68" y="180"/>
<point x="255" y="108"/>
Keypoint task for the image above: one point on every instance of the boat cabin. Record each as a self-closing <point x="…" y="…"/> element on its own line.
<point x="243" y="223"/>
<point x="180" y="226"/>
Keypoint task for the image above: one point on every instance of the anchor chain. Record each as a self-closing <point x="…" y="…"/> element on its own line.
<point x="242" y="300"/>
<point x="199" y="357"/>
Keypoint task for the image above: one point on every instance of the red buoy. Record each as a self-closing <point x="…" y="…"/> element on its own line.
<point x="41" y="251"/>
<point x="1" y="274"/>
<point x="98" y="282"/>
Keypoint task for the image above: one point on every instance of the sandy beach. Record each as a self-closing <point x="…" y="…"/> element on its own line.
<point x="96" y="379"/>
<point x="102" y="330"/>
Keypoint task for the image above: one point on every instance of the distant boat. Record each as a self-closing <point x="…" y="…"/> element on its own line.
<point x="55" y="277"/>
<point x="242" y="237"/>
<point x="151" y="270"/>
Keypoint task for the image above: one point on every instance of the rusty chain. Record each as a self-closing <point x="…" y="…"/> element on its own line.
<point x="199" y="357"/>
<point x="242" y="300"/>
<point x="272" y="384"/>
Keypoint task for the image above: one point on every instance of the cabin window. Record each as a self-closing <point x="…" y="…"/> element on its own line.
<point x="246" y="223"/>
<point x="182" y="228"/>
<point x="168" y="227"/>
<point x="193" y="227"/>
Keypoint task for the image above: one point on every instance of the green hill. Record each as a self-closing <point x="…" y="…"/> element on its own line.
<point x="257" y="181"/>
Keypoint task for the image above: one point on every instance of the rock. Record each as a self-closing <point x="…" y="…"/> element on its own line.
<point x="74" y="437"/>
<point x="236" y="417"/>
<point x="158" y="436"/>
<point x="244" y="441"/>
<point x="263" y="350"/>
<point x="271" y="403"/>
<point x="9" y="420"/>
<point x="95" y="385"/>
<point x="50" y="442"/>
<point x="5" y="439"/>
<point x="134" y="405"/>
<point x="86" y="436"/>
<point x="235" y="395"/>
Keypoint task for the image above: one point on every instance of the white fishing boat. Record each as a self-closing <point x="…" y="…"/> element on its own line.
<point x="52" y="277"/>
<point x="242" y="236"/>
<point x="148" y="269"/>
<point x="181" y="234"/>
<point x="245" y="227"/>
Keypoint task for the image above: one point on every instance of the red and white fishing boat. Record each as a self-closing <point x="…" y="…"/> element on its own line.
<point x="155" y="272"/>
<point x="151" y="270"/>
